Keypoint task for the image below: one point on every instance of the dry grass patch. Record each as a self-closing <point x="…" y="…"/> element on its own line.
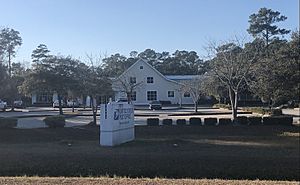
<point x="290" y="134"/>
<point x="133" y="181"/>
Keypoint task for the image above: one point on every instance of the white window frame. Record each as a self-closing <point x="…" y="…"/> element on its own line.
<point x="152" y="97"/>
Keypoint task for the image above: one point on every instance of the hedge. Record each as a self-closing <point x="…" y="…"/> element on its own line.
<point x="8" y="122"/>
<point x="210" y="121"/>
<point x="254" y="121"/>
<point x="276" y="112"/>
<point x="225" y="121"/>
<point x="195" y="121"/>
<point x="167" y="121"/>
<point x="242" y="120"/>
<point x="55" y="121"/>
<point x="278" y="120"/>
<point x="181" y="122"/>
<point x="153" y="121"/>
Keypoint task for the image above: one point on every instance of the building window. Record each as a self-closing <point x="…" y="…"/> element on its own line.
<point x="141" y="67"/>
<point x="151" y="95"/>
<point x="170" y="93"/>
<point x="186" y="94"/>
<point x="133" y="96"/>
<point x="132" y="80"/>
<point x="149" y="80"/>
<point x="44" y="98"/>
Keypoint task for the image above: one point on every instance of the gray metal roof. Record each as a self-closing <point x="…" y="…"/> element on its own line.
<point x="182" y="77"/>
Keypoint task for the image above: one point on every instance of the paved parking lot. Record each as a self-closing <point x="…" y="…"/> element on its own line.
<point x="32" y="117"/>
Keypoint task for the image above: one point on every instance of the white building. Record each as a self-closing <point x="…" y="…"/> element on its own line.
<point x="147" y="84"/>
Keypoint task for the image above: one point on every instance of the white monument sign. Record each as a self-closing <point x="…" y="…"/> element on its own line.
<point x="116" y="123"/>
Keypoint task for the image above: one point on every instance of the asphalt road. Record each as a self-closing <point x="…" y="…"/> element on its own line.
<point x="32" y="117"/>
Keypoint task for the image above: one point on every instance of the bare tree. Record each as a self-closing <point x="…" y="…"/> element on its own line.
<point x="127" y="84"/>
<point x="232" y="62"/>
<point x="194" y="88"/>
<point x="94" y="83"/>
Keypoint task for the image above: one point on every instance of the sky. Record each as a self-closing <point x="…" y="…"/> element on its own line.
<point x="80" y="27"/>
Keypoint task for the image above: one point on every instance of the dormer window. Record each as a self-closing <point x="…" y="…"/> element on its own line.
<point x="141" y="67"/>
<point x="132" y="80"/>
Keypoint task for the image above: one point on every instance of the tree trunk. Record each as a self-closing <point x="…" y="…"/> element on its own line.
<point x="233" y="104"/>
<point x="60" y="105"/>
<point x="9" y="64"/>
<point x="12" y="105"/>
<point x="94" y="110"/>
<point x="129" y="96"/>
<point x="196" y="106"/>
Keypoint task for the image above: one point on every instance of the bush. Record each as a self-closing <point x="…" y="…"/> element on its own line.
<point x="285" y="120"/>
<point x="8" y="122"/>
<point x="276" y="112"/>
<point x="210" y="121"/>
<point x="181" y="122"/>
<point x="220" y="105"/>
<point x="153" y="121"/>
<point x="195" y="121"/>
<point x="55" y="121"/>
<point x="167" y="121"/>
<point x="254" y="120"/>
<point x="242" y="120"/>
<point x="269" y="120"/>
<point x="225" y="121"/>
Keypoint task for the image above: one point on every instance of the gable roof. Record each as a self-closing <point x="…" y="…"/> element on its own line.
<point x="146" y="62"/>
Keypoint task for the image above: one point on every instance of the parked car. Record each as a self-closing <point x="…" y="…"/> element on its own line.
<point x="19" y="104"/>
<point x="56" y="104"/>
<point x="72" y="103"/>
<point x="155" y="105"/>
<point x="3" y="105"/>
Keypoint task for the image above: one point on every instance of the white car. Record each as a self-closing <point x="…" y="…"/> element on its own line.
<point x="56" y="104"/>
<point x="3" y="105"/>
<point x="71" y="103"/>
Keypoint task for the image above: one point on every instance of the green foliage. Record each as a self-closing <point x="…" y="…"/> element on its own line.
<point x="40" y="53"/>
<point x="8" y="122"/>
<point x="225" y="121"/>
<point x="254" y="120"/>
<point x="210" y="121"/>
<point x="167" y="121"/>
<point x="181" y="122"/>
<point x="55" y="121"/>
<point x="195" y="121"/>
<point x="153" y="121"/>
<point x="9" y="40"/>
<point x="263" y="25"/>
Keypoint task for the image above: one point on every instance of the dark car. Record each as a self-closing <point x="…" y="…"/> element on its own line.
<point x="155" y="105"/>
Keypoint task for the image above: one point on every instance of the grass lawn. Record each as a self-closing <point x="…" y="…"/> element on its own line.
<point x="228" y="152"/>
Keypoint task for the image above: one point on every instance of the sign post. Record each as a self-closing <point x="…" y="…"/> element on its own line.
<point x="116" y="123"/>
